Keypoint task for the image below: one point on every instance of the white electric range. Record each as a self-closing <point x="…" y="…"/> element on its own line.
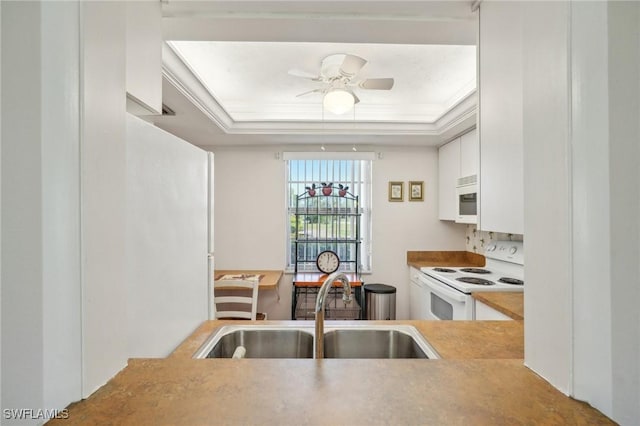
<point x="447" y="290"/>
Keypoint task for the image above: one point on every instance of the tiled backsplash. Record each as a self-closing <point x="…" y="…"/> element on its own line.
<point x="478" y="240"/>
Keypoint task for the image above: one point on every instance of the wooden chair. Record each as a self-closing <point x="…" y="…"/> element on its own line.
<point x="250" y="285"/>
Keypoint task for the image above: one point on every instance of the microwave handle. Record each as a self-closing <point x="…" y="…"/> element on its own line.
<point x="451" y="294"/>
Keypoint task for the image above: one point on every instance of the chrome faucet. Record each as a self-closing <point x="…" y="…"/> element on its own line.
<point x="322" y="295"/>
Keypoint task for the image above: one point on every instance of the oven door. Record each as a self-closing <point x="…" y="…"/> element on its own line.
<point x="445" y="303"/>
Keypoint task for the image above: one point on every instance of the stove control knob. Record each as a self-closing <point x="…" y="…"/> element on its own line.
<point x="513" y="250"/>
<point x="492" y="247"/>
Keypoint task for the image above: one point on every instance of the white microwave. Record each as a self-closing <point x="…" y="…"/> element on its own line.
<point x="467" y="199"/>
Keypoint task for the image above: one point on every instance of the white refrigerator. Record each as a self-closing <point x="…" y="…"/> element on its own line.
<point x="169" y="238"/>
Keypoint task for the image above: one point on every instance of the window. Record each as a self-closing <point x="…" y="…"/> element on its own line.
<point x="348" y="169"/>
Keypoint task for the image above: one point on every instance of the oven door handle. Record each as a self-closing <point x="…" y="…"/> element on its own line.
<point x="443" y="289"/>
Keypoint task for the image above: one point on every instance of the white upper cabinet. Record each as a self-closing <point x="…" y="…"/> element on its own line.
<point x="144" y="57"/>
<point x="500" y="118"/>
<point x="448" y="174"/>
<point x="456" y="159"/>
<point x="469" y="154"/>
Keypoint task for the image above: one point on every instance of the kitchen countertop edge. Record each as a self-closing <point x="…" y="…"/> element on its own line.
<point x="181" y="390"/>
<point x="509" y="303"/>
<point x="419" y="259"/>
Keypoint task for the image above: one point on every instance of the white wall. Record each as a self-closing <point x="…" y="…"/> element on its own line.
<point x="401" y="227"/>
<point x="624" y="158"/>
<point x="22" y="361"/>
<point x="250" y="217"/>
<point x="581" y="132"/>
<point x="166" y="239"/>
<point x="104" y="292"/>
<point x="40" y="221"/>
<point x="1" y="405"/>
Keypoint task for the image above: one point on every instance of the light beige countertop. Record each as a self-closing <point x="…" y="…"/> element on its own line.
<point x="418" y="259"/>
<point x="509" y="303"/>
<point x="329" y="392"/>
<point x="463" y="388"/>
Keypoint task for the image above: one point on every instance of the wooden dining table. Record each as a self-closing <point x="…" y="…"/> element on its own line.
<point x="269" y="279"/>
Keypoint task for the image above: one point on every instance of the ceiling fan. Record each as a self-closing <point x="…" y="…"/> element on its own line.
<point x="338" y="75"/>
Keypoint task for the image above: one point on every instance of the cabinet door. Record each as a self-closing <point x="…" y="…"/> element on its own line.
<point x="469" y="154"/>
<point x="417" y="307"/>
<point x="448" y="174"/>
<point x="501" y="106"/>
<point x="487" y="313"/>
<point x="415" y="292"/>
<point x="144" y="57"/>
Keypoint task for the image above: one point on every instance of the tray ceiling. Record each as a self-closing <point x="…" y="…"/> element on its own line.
<point x="250" y="81"/>
<point x="225" y="69"/>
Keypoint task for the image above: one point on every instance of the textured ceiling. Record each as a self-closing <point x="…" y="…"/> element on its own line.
<point x="250" y="80"/>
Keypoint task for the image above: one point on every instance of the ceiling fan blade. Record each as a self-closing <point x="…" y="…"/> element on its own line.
<point x="309" y="92"/>
<point x="377" y="83"/>
<point x="351" y="65"/>
<point x="303" y="74"/>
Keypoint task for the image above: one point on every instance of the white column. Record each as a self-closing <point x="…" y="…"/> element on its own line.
<point x="547" y="191"/>
<point x="61" y="303"/>
<point x="22" y="256"/>
<point x="581" y="133"/>
<point x="103" y="198"/>
<point x="40" y="198"/>
<point x="591" y="205"/>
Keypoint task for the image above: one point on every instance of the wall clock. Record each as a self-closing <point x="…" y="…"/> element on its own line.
<point x="327" y="262"/>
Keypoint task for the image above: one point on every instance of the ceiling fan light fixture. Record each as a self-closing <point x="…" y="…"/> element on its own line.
<point x="338" y="101"/>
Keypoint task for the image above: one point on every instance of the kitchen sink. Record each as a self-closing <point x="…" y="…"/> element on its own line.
<point x="371" y="344"/>
<point x="343" y="341"/>
<point x="259" y="343"/>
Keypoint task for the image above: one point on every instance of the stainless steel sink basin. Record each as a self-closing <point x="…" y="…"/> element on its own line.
<point x="371" y="344"/>
<point x="259" y="343"/>
<point x="342" y="341"/>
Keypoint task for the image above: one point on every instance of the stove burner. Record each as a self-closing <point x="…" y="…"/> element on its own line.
<point x="473" y="280"/>
<point x="513" y="281"/>
<point x="475" y="271"/>
<point x="443" y="270"/>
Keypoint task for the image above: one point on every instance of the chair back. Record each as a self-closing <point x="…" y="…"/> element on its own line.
<point x="250" y="285"/>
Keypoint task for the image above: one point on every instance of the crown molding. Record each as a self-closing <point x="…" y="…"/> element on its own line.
<point x="182" y="77"/>
<point x="464" y="110"/>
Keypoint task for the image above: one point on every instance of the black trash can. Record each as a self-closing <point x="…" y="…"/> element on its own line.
<point x="380" y="301"/>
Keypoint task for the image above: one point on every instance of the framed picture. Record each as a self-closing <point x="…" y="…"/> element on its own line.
<point x="416" y="191"/>
<point x="395" y="191"/>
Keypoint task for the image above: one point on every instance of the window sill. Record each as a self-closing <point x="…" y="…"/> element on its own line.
<point x="290" y="271"/>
